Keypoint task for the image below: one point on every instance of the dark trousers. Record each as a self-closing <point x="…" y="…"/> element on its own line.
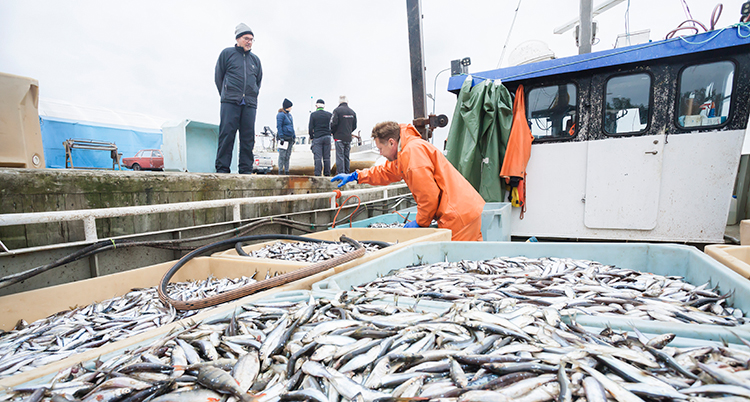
<point x="284" y="155"/>
<point x="342" y="156"/>
<point x="236" y="117"/>
<point x="321" y="149"/>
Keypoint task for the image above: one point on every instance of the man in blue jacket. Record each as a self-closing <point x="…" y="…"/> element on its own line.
<point x="238" y="75"/>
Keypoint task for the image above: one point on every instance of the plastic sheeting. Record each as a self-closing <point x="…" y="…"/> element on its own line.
<point x="479" y="134"/>
<point x="129" y="140"/>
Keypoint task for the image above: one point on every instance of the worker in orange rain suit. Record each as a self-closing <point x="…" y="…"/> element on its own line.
<point x="439" y="189"/>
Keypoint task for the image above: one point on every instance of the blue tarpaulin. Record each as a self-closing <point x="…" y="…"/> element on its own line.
<point x="129" y="140"/>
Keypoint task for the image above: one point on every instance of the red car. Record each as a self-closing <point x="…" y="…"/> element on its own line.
<point x="145" y="159"/>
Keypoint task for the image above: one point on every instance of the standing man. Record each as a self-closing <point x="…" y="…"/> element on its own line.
<point x="238" y="75"/>
<point x="343" y="122"/>
<point x="320" y="137"/>
<point x="439" y="189"/>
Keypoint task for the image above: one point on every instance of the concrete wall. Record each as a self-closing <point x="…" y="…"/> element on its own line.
<point x="34" y="190"/>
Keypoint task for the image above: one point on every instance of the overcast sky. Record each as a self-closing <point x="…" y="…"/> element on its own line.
<point x="157" y="57"/>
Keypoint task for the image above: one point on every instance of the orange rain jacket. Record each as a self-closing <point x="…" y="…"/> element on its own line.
<point x="439" y="189"/>
<point x="518" y="151"/>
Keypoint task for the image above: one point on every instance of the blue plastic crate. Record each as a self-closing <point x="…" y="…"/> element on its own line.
<point x="663" y="259"/>
<point x="495" y="220"/>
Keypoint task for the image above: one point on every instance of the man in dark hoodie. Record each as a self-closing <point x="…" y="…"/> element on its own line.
<point x="238" y="75"/>
<point x="343" y="122"/>
<point x="320" y="138"/>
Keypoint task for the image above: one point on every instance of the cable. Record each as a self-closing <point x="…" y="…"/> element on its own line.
<point x="359" y="202"/>
<point x="714" y="16"/>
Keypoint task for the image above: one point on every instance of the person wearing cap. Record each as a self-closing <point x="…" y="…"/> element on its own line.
<point x="441" y="192"/>
<point x="343" y="122"/>
<point x="238" y="74"/>
<point x="320" y="138"/>
<point x="285" y="134"/>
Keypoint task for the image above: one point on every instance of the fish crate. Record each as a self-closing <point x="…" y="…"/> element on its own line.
<point x="279" y="298"/>
<point x="41" y="303"/>
<point x="662" y="259"/>
<point x="44" y="374"/>
<point x="495" y="220"/>
<point x="745" y="232"/>
<point x="399" y="237"/>
<point x="736" y="258"/>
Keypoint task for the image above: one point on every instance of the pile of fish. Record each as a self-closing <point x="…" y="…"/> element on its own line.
<point x="382" y="225"/>
<point x="567" y="285"/>
<point x="79" y="329"/>
<point x="356" y="350"/>
<point x="307" y="251"/>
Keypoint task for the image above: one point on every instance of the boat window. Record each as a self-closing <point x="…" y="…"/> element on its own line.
<point x="552" y="111"/>
<point x="705" y="94"/>
<point x="628" y="104"/>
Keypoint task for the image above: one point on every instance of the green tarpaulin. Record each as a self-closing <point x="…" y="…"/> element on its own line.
<point x="479" y="134"/>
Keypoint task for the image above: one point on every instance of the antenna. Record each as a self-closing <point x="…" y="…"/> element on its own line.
<point x="597" y="10"/>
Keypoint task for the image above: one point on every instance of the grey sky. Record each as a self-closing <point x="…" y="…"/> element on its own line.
<point x="158" y="57"/>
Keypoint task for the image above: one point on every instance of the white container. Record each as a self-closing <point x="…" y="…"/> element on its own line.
<point x="732" y="218"/>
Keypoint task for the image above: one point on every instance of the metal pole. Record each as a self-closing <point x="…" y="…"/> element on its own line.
<point x="584" y="33"/>
<point x="434" y="89"/>
<point x="414" y="21"/>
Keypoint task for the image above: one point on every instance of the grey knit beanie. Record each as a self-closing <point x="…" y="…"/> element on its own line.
<point x="241" y="30"/>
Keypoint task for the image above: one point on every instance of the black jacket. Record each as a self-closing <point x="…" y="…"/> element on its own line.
<point x="238" y="74"/>
<point x="320" y="124"/>
<point x="343" y="122"/>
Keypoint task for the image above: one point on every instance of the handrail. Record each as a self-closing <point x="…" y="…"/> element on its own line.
<point x="89" y="216"/>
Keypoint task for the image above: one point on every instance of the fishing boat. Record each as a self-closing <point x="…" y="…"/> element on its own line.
<point x="362" y="155"/>
<point x="635" y="143"/>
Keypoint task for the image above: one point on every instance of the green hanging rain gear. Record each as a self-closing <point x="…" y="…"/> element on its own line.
<point x="479" y="135"/>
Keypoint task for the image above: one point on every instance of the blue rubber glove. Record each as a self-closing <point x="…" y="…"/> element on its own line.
<point x="412" y="224"/>
<point x="345" y="178"/>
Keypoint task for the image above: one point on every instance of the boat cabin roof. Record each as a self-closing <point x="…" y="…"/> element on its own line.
<point x="729" y="37"/>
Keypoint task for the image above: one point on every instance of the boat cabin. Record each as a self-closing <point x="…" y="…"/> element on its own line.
<point x="635" y="143"/>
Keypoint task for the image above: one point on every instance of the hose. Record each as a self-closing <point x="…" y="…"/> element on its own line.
<point x="234" y="294"/>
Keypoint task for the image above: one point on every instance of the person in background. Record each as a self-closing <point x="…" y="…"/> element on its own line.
<point x="343" y="122"/>
<point x="285" y="134"/>
<point x="320" y="138"/>
<point x="237" y="76"/>
<point x="439" y="189"/>
<point x="358" y="136"/>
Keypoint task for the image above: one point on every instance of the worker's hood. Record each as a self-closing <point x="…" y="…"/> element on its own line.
<point x="408" y="134"/>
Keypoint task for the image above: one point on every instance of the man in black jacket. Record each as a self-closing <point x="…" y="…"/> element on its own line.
<point x="343" y="122"/>
<point x="320" y="138"/>
<point x="238" y="75"/>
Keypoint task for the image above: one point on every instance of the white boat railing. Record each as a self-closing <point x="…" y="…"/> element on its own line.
<point x="89" y="216"/>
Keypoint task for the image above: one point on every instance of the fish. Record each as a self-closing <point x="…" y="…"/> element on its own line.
<point x="400" y="354"/>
